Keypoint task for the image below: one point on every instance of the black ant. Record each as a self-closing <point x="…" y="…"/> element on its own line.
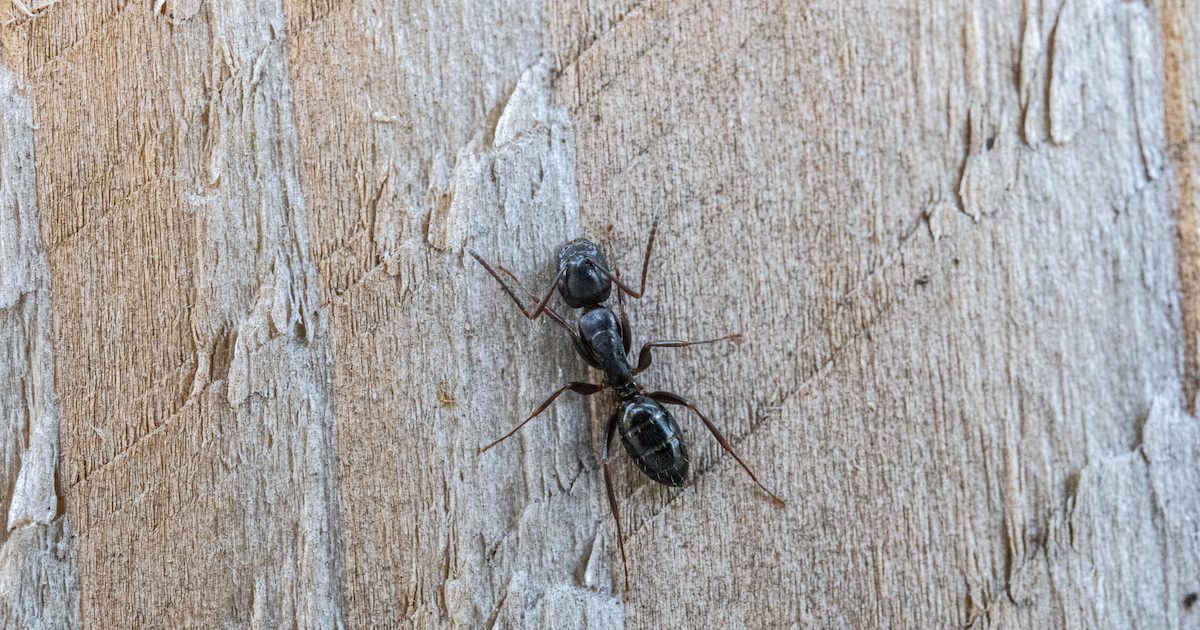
<point x="649" y="432"/>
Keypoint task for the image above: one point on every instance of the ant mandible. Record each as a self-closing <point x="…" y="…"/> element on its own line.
<point x="650" y="434"/>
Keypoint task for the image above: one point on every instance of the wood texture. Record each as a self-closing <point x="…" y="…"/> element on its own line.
<point x="246" y="365"/>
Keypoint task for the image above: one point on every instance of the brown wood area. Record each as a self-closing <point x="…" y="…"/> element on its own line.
<point x="246" y="364"/>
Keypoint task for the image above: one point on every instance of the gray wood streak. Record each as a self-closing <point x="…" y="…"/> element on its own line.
<point x="38" y="582"/>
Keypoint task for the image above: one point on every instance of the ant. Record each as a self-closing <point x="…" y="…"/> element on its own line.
<point x="650" y="434"/>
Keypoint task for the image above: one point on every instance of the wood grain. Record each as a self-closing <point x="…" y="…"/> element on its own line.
<point x="247" y="364"/>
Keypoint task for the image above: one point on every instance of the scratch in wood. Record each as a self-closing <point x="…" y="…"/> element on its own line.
<point x="596" y="38"/>
<point x="53" y="58"/>
<point x="490" y="622"/>
<point x="87" y="469"/>
<point x="90" y="224"/>
<point x="1068" y="81"/>
<point x="648" y="142"/>
<point x="30" y="11"/>
<point x="22" y="8"/>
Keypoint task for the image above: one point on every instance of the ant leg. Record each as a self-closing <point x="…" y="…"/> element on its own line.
<point x="674" y="399"/>
<point x="612" y="496"/>
<point x="579" y="347"/>
<point x="626" y="334"/>
<point x="644" y="357"/>
<point x="530" y="294"/>
<point x="543" y="303"/>
<point x="549" y="311"/>
<point x="645" y="265"/>
<point x="587" y="389"/>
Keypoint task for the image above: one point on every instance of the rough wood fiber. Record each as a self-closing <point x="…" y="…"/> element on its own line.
<point x="38" y="587"/>
<point x="960" y="239"/>
<point x="192" y="355"/>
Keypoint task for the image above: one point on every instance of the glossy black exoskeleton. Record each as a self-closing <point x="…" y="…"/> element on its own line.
<point x="648" y="431"/>
<point x="583" y="278"/>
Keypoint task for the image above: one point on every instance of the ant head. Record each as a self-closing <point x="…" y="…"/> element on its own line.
<point x="583" y="274"/>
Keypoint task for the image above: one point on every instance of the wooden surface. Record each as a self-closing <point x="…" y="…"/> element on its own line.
<point x="246" y="365"/>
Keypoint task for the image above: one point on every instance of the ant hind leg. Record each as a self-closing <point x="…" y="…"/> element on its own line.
<point x="675" y="399"/>
<point x="612" y="496"/>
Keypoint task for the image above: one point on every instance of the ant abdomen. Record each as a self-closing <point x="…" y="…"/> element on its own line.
<point x="654" y="440"/>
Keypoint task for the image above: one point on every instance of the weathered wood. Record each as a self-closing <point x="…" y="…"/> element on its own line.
<point x="38" y="587"/>
<point x="246" y="365"/>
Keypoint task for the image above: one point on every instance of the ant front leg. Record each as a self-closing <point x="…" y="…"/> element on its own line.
<point x="609" y="431"/>
<point x="675" y="399"/>
<point x="644" y="356"/>
<point x="579" y="345"/>
<point x="542" y="304"/>
<point x="586" y="389"/>
<point x="621" y="288"/>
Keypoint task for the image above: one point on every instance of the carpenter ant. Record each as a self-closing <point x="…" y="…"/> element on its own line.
<point x="649" y="432"/>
